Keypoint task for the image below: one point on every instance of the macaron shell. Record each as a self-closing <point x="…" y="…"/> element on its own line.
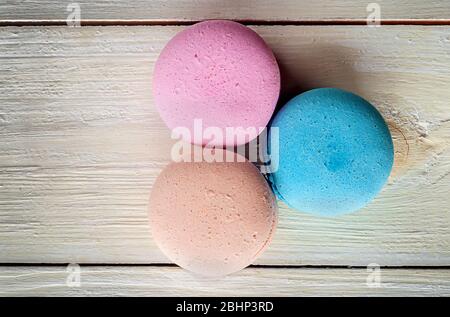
<point x="212" y="218"/>
<point x="220" y="72"/>
<point x="335" y="152"/>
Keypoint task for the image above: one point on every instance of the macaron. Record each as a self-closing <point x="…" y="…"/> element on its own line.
<point x="218" y="75"/>
<point x="335" y="152"/>
<point x="212" y="218"/>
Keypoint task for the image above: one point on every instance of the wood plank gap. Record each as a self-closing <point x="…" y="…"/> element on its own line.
<point x="89" y="22"/>
<point x="256" y="266"/>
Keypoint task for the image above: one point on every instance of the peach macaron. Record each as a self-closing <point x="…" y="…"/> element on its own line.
<point x="212" y="218"/>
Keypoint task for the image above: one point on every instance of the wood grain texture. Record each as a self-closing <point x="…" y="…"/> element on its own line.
<point x="248" y="10"/>
<point x="81" y="143"/>
<point x="172" y="281"/>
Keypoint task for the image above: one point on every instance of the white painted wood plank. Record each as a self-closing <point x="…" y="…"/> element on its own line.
<point x="256" y="10"/>
<point x="172" y="281"/>
<point x="81" y="143"/>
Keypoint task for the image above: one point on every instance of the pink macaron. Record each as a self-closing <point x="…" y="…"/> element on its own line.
<point x="216" y="83"/>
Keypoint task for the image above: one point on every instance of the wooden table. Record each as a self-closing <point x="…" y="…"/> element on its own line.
<point x="81" y="145"/>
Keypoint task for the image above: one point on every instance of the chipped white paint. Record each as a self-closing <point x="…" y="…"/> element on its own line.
<point x="81" y="143"/>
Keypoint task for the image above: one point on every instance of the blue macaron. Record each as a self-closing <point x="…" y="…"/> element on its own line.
<point x="334" y="152"/>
